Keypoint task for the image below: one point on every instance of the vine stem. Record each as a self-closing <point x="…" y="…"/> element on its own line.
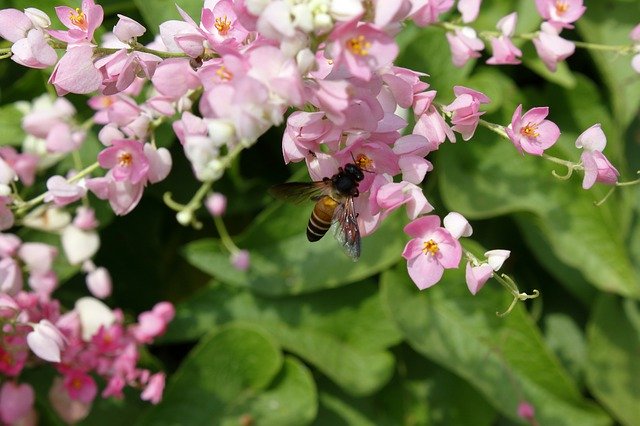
<point x="40" y="198"/>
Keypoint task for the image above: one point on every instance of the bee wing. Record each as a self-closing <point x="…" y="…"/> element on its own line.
<point x="346" y="228"/>
<point x="297" y="192"/>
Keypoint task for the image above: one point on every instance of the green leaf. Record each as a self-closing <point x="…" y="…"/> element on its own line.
<point x="421" y="393"/>
<point x="159" y="11"/>
<point x="567" y="341"/>
<point x="342" y="332"/>
<point x="220" y="377"/>
<point x="505" y="359"/>
<point x="284" y="262"/>
<point x="610" y="23"/>
<point x="612" y="373"/>
<point x="10" y="123"/>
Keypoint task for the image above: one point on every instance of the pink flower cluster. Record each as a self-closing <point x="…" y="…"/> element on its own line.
<point x="86" y="342"/>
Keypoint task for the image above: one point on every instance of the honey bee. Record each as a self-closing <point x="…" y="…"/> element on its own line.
<point x="334" y="204"/>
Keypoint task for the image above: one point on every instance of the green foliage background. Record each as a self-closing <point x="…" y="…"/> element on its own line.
<point x="308" y="337"/>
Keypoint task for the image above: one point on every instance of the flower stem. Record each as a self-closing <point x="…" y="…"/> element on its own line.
<point x="508" y="283"/>
<point x="226" y="240"/>
<point x="624" y="49"/>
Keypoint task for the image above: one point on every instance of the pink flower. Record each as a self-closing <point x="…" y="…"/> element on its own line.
<point x="123" y="196"/>
<point x="153" y="391"/>
<point x="634" y="35"/>
<point x="389" y="196"/>
<point x="76" y="73"/>
<point x="82" y="23"/>
<point x="526" y="411"/>
<point x="597" y="167"/>
<point x="240" y="260"/>
<point x="216" y="204"/>
<point x="429" y="12"/>
<point x="126" y="160"/>
<point x="13" y="355"/>
<point x="23" y="164"/>
<point x="360" y="49"/>
<point x="38" y="257"/>
<point x="429" y="122"/>
<point x="99" y="283"/>
<point x="85" y="219"/>
<point x="128" y="29"/>
<point x="464" y="45"/>
<point x="477" y="276"/>
<point x="469" y="10"/>
<point x="10" y="276"/>
<point x="80" y="386"/>
<point x="61" y="192"/>
<point x="551" y="47"/>
<point x="504" y="51"/>
<point x="70" y="410"/>
<point x="530" y="132"/>
<point x="466" y="110"/>
<point x="432" y="250"/>
<point x="222" y="26"/>
<point x="16" y="401"/>
<point x="560" y="13"/>
<point x="411" y="150"/>
<point x="30" y="47"/>
<point x="46" y="341"/>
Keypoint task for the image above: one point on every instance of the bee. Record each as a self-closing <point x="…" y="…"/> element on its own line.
<point x="334" y="205"/>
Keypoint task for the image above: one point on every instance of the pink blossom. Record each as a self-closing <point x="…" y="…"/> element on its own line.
<point x="495" y="258"/>
<point x="153" y="391"/>
<point x="80" y="386"/>
<point x="13" y="354"/>
<point x="61" y="192"/>
<point x="70" y="410"/>
<point x="457" y="225"/>
<point x="6" y="215"/>
<point x="45" y="114"/>
<point x="10" y="276"/>
<point x="387" y="12"/>
<point x="79" y="245"/>
<point x="160" y="163"/>
<point x="429" y="12"/>
<point x="46" y="341"/>
<point x="464" y="44"/>
<point x="85" y="219"/>
<point x="432" y="250"/>
<point x="477" y="276"/>
<point x="16" y="401"/>
<point x="82" y="23"/>
<point x="222" y="26"/>
<point x="392" y="195"/>
<point x="14" y="24"/>
<point x="469" y="10"/>
<point x="597" y="168"/>
<point x="304" y="132"/>
<point x="153" y="323"/>
<point x="504" y="52"/>
<point x="43" y="284"/>
<point x="361" y="49"/>
<point x="216" y="204"/>
<point x="99" y="283"/>
<point x="465" y="110"/>
<point x="530" y="132"/>
<point x="429" y="122"/>
<point x="76" y="73"/>
<point x="403" y="84"/>
<point x="526" y="411"/>
<point x="38" y="257"/>
<point x="126" y="160"/>
<point x="560" y="13"/>
<point x="411" y="150"/>
<point x="122" y="69"/>
<point x="23" y="164"/>
<point x="551" y="47"/>
<point x="33" y="51"/>
<point x="9" y="244"/>
<point x="128" y="29"/>
<point x="63" y="139"/>
<point x="174" y="77"/>
<point x="240" y="260"/>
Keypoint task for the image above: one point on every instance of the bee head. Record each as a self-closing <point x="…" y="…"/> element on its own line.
<point x="354" y="171"/>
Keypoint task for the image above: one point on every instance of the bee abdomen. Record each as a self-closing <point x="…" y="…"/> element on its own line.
<point x="321" y="218"/>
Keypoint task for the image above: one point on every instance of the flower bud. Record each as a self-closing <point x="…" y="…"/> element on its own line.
<point x="184" y="217"/>
<point x="39" y="18"/>
<point x="240" y="260"/>
<point x="216" y="204"/>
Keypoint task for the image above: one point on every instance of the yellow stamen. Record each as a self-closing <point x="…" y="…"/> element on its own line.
<point x="530" y="130"/>
<point x="223" y="25"/>
<point x="224" y="74"/>
<point x="430" y="247"/>
<point x="7" y="358"/>
<point x="364" y="162"/>
<point x="76" y="383"/>
<point x="78" y="19"/>
<point x="359" y="45"/>
<point x="561" y="6"/>
<point x="125" y="158"/>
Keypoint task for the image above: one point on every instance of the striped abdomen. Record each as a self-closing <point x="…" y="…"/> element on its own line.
<point x="321" y="218"/>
